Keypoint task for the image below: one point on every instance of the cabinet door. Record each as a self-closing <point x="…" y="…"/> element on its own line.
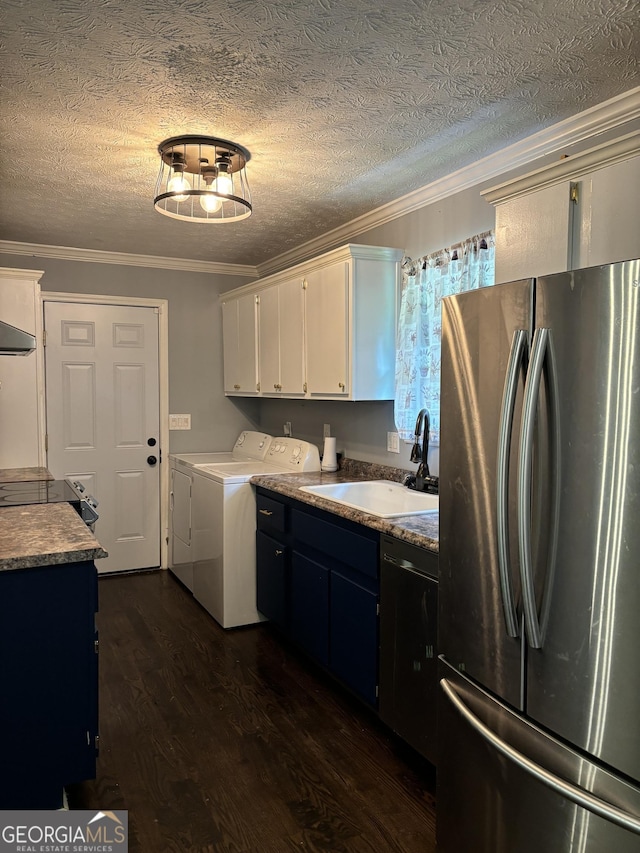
<point x="239" y="334"/>
<point x="533" y="234"/>
<point x="353" y="655"/>
<point x="271" y="579"/>
<point x="269" y="335"/>
<point x="310" y="607"/>
<point x="327" y="331"/>
<point x="609" y="204"/>
<point x="21" y="421"/>
<point x="292" y="375"/>
<point x="181" y="553"/>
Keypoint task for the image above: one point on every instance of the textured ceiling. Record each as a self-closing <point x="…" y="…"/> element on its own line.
<point x="344" y="105"/>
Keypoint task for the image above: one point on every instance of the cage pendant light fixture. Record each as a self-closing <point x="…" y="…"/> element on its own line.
<point x="203" y="179"/>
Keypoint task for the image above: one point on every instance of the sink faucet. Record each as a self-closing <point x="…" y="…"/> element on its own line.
<point x="422" y="481"/>
<point x="423" y="468"/>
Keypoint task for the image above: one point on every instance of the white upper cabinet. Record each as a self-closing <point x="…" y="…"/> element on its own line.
<point x="239" y="334"/>
<point x="281" y="336"/>
<point x="326" y="327"/>
<point x="22" y="377"/>
<point x="578" y="212"/>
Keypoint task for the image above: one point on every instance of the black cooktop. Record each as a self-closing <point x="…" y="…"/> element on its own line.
<point x="38" y="492"/>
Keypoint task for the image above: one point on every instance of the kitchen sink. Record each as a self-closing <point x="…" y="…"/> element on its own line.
<point x="383" y="498"/>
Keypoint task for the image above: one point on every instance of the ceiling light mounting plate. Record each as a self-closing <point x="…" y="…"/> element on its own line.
<point x="215" y="186"/>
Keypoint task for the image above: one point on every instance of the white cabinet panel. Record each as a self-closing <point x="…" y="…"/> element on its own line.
<point x="240" y="345"/>
<point x="281" y="336"/>
<point x="533" y="234"/>
<point x="609" y="225"/>
<point x="292" y="373"/>
<point x="327" y="331"/>
<point x="21" y="377"/>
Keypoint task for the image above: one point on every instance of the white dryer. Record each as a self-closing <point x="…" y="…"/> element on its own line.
<point x="249" y="446"/>
<point x="223" y="534"/>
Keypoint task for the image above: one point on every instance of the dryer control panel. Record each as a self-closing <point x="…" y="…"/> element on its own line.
<point x="293" y="454"/>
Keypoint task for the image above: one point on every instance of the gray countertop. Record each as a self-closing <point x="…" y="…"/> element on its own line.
<point x="421" y="530"/>
<point x="44" y="535"/>
<point x="24" y="475"/>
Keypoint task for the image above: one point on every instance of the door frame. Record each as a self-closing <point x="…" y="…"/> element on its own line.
<point x="162" y="310"/>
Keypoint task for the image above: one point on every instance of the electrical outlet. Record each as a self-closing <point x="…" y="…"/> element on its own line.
<point x="179" y="421"/>
<point x="286" y="429"/>
<point x="327" y="431"/>
<point x="393" y="442"/>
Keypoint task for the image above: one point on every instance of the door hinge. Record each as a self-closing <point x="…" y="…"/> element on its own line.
<point x="257" y="300"/>
<point x="44" y="337"/>
<point x="573" y="193"/>
<point x="304" y="284"/>
<point x="376" y="691"/>
<point x="257" y="386"/>
<point x="46" y="442"/>
<point x="304" y="387"/>
<point x="378" y="609"/>
<point x="96" y="742"/>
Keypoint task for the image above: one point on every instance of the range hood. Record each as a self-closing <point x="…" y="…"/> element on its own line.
<point x="14" y="341"/>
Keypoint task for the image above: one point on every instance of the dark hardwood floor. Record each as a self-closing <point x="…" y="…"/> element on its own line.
<point x="231" y="741"/>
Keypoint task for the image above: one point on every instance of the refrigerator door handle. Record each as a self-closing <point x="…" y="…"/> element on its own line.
<point x="509" y="393"/>
<point x="525" y="460"/>
<point x="571" y="792"/>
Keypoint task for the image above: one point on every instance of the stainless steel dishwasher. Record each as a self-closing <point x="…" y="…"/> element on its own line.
<point x="408" y="632"/>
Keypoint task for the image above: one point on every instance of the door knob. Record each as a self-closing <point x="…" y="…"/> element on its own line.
<point x="152" y="460"/>
<point x="151" y="442"/>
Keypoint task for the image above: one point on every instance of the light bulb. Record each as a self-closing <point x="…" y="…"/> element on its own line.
<point x="210" y="202"/>
<point x="179" y="184"/>
<point x="224" y="182"/>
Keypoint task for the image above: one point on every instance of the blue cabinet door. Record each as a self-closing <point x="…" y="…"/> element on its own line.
<point x="271" y="580"/>
<point x="353" y="653"/>
<point x="310" y="607"/>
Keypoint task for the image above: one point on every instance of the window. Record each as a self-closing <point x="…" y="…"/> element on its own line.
<point x="466" y="266"/>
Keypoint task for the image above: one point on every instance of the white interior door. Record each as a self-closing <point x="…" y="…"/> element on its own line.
<point x="103" y="421"/>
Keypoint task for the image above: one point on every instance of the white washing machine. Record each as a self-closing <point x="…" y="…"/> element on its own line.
<point x="250" y="446"/>
<point x="223" y="526"/>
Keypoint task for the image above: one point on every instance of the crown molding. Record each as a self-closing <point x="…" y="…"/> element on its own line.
<point x="569" y="167"/>
<point x="21" y="274"/>
<point x="65" y="253"/>
<point x="602" y="118"/>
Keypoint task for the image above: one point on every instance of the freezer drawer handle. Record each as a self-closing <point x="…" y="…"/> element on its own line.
<point x="502" y="477"/>
<point x="572" y="792"/>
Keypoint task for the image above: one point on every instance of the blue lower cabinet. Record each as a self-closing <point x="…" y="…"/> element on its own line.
<point x="272" y="580"/>
<point x="310" y="607"/>
<point x="49" y="677"/>
<point x="353" y="654"/>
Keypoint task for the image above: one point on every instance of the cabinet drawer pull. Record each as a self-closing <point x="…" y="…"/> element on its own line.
<point x="341" y="386"/>
<point x="237" y="387"/>
<point x="265" y="512"/>
<point x="278" y="552"/>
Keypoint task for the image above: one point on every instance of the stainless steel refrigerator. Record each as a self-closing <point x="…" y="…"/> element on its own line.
<point x="539" y="599"/>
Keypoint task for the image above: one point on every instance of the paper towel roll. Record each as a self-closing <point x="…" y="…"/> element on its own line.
<point x="329" y="458"/>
